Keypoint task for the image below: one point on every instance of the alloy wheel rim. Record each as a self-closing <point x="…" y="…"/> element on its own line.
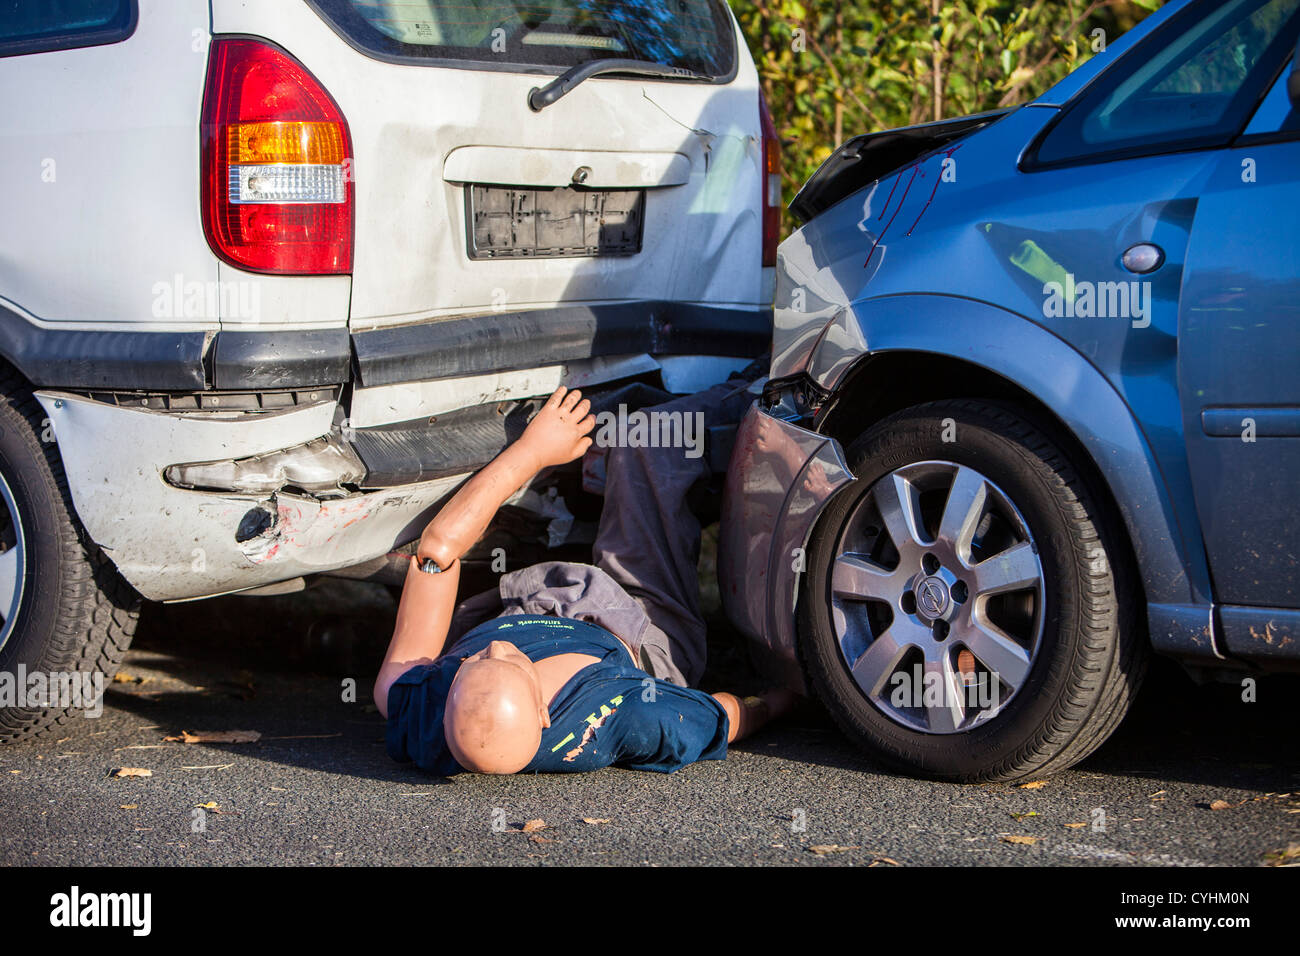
<point x="13" y="562"/>
<point x="937" y="597"/>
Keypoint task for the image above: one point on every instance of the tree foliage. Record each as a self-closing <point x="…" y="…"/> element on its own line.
<point x="833" y="70"/>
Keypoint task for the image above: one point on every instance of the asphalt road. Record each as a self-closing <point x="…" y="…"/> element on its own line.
<point x="319" y="789"/>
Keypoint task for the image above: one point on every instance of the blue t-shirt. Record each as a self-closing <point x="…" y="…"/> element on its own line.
<point x="610" y="712"/>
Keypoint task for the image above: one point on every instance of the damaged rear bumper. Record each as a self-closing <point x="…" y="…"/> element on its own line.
<point x="174" y="543"/>
<point x="779" y="481"/>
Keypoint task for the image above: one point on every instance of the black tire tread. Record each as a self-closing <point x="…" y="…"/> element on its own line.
<point x="98" y="609"/>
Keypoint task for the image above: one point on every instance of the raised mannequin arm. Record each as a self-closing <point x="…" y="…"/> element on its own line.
<point x="557" y="434"/>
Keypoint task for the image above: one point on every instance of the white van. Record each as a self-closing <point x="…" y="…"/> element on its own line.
<point x="275" y="275"/>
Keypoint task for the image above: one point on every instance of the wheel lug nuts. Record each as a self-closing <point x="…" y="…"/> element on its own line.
<point x="960" y="592"/>
<point x="940" y="630"/>
<point x="929" y="564"/>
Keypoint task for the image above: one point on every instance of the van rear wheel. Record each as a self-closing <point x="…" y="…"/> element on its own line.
<point x="66" y="610"/>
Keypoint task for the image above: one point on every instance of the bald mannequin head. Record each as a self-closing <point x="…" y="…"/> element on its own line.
<point x="495" y="713"/>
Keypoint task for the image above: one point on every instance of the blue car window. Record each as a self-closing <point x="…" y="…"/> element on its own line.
<point x="1275" y="114"/>
<point x="1192" y="84"/>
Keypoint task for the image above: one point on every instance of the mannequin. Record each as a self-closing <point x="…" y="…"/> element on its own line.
<point x="498" y="705"/>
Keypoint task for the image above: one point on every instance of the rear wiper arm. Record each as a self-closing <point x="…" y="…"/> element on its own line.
<point x="539" y="99"/>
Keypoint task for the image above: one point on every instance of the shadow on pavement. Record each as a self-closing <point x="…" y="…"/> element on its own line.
<point x="278" y="665"/>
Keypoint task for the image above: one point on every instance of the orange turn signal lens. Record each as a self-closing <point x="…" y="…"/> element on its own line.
<point x="265" y="143"/>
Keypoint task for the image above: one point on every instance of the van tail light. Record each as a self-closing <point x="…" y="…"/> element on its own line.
<point x="277" y="183"/>
<point x="771" y="182"/>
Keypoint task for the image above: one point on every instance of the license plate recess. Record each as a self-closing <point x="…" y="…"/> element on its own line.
<point x="512" y="222"/>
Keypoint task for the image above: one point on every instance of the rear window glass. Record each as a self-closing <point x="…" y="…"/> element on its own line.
<point x="32" y="26"/>
<point x="692" y="34"/>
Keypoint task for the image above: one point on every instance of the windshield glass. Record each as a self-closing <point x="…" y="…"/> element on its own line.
<point x="693" y="34"/>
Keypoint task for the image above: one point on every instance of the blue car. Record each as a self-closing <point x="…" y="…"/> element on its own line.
<point x="1034" y="407"/>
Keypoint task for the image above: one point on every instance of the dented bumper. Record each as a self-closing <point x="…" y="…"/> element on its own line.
<point x="779" y="481"/>
<point x="173" y="543"/>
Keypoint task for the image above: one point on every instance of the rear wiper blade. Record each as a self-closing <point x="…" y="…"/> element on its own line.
<point x="539" y="99"/>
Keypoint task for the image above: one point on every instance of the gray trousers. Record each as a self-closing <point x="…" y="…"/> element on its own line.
<point x="644" y="586"/>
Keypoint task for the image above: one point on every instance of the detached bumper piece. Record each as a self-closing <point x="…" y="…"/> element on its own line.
<point x="462" y="441"/>
<point x="323" y="467"/>
<point x="453" y="443"/>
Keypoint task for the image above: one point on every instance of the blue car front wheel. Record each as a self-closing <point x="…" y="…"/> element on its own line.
<point x="968" y="611"/>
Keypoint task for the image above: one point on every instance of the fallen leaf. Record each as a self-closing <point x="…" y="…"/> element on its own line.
<point x="217" y="736"/>
<point x="537" y="838"/>
<point x="132" y="772"/>
<point x="594" y="820"/>
<point x="1033" y="785"/>
<point x="128" y="806"/>
<point x="825" y="849"/>
<point x="1075" y="826"/>
<point x="210" y="805"/>
<point x="532" y="826"/>
<point x="1026" y="840"/>
<point x="1220" y="805"/>
<point x="1288" y="857"/>
<point x="889" y="861"/>
<point x="1021" y="816"/>
<point x="1156" y="794"/>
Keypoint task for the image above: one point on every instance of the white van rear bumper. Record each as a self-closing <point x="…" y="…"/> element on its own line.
<point x="174" y="544"/>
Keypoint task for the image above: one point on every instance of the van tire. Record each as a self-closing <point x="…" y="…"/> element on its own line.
<point x="77" y="613"/>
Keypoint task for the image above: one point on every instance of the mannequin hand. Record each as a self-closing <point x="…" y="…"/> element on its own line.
<point x="558" y="433"/>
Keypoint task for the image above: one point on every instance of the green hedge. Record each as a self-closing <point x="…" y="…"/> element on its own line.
<point x="831" y="71"/>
